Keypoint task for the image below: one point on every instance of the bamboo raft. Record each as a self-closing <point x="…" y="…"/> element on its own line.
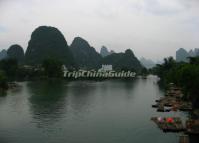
<point x="174" y="92"/>
<point x="174" y="106"/>
<point x="185" y="106"/>
<point x="172" y="126"/>
<point x="172" y="102"/>
<point x="192" y="127"/>
<point x="184" y="139"/>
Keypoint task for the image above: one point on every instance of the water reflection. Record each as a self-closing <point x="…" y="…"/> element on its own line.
<point x="129" y="84"/>
<point x="3" y="93"/>
<point x="47" y="100"/>
<point x="81" y="95"/>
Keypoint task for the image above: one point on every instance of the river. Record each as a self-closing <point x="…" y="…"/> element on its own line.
<point x="110" y="111"/>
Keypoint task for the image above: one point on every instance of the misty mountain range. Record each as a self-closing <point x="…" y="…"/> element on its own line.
<point x="48" y="42"/>
<point x="147" y="63"/>
<point x="182" y="55"/>
<point x="105" y="52"/>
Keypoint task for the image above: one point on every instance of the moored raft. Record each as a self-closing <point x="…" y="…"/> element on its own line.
<point x="192" y="127"/>
<point x="169" y="124"/>
<point x="174" y="103"/>
<point x="184" y="139"/>
<point x="160" y="108"/>
<point x="185" y="106"/>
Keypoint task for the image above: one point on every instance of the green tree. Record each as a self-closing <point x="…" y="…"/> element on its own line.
<point x="9" y="66"/>
<point x="3" y="81"/>
<point x="144" y="71"/>
<point x="52" y="68"/>
<point x="185" y="75"/>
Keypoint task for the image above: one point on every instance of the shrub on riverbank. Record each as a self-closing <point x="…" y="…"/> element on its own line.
<point x="3" y="81"/>
<point x="185" y="75"/>
<point x="52" y="68"/>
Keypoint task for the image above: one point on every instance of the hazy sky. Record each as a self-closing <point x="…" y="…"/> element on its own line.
<point x="151" y="28"/>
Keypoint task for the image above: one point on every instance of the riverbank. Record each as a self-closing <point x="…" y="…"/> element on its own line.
<point x="174" y="101"/>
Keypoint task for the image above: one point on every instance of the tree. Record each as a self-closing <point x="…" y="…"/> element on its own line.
<point x="194" y="60"/>
<point x="3" y="81"/>
<point x="52" y="68"/>
<point x="144" y="71"/>
<point x="185" y="75"/>
<point x="9" y="66"/>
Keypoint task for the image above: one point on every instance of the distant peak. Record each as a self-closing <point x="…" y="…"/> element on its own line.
<point x="15" y="46"/>
<point x="104" y="51"/>
<point x="104" y="47"/>
<point x="79" y="39"/>
<point x="181" y="49"/>
<point x="4" y="50"/>
<point x="129" y="51"/>
<point x="46" y="27"/>
<point x="79" y="42"/>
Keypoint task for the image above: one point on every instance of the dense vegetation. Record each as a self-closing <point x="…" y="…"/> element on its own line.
<point x="52" y="68"/>
<point x="3" y="81"/>
<point x="10" y="70"/>
<point x="123" y="61"/>
<point x="9" y="67"/>
<point x="185" y="75"/>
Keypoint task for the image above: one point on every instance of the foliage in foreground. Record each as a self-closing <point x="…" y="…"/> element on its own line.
<point x="185" y="75"/>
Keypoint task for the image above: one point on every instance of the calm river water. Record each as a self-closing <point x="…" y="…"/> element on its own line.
<point x="112" y="111"/>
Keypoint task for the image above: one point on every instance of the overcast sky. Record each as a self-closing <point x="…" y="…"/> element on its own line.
<point x="151" y="28"/>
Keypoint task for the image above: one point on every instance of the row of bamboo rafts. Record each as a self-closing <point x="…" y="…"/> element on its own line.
<point x="173" y="106"/>
<point x="182" y="106"/>
<point x="174" y="124"/>
<point x="174" y="91"/>
<point x="173" y="100"/>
